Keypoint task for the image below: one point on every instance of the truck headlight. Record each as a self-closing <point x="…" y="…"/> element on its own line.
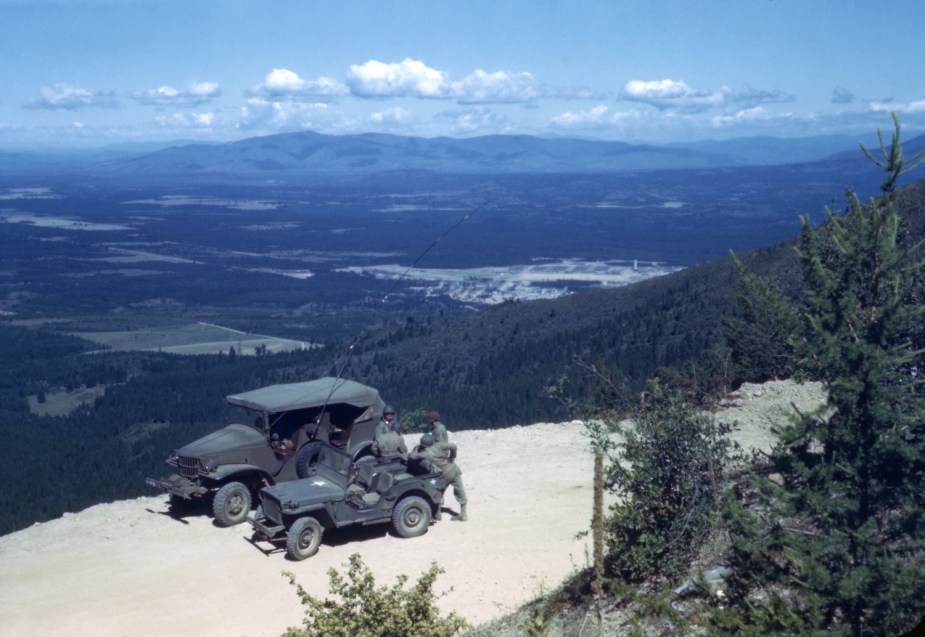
<point x="209" y="464"/>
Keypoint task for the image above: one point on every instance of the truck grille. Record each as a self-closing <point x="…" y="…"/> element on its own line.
<point x="188" y="467"/>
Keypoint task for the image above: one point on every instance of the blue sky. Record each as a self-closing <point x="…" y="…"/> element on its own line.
<point x="82" y="73"/>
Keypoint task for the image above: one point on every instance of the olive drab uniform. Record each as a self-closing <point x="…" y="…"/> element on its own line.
<point x="390" y="445"/>
<point x="385" y="423"/>
<point x="442" y="456"/>
<point x="437" y="428"/>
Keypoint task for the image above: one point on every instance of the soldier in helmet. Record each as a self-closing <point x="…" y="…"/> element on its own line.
<point x="391" y="444"/>
<point x="442" y="457"/>
<point x="437" y="428"/>
<point x="385" y="423"/>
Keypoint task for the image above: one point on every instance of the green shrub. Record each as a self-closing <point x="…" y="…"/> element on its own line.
<point x="366" y="610"/>
<point x="668" y="472"/>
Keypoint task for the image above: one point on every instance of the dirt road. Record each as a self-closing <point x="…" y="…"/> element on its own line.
<point x="127" y="569"/>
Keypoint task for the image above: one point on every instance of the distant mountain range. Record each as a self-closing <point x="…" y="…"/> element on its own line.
<point x="309" y="153"/>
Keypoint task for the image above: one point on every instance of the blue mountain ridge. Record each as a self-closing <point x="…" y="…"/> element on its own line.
<point x="311" y="153"/>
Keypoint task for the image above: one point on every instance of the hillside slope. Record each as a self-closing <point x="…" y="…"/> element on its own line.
<point x="128" y="569"/>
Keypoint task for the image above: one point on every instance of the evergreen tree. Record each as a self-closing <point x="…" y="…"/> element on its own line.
<point x="836" y="542"/>
<point x="760" y="337"/>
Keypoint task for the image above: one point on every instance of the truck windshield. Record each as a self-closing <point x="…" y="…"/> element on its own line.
<point x="244" y="416"/>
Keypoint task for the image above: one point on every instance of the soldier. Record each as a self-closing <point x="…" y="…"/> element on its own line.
<point x="442" y="456"/>
<point x="391" y="444"/>
<point x="385" y="423"/>
<point x="437" y="428"/>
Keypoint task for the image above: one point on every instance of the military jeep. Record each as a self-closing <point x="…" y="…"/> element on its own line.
<point x="341" y="493"/>
<point x="272" y="435"/>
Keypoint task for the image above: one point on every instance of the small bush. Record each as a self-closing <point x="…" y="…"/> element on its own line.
<point x="367" y="610"/>
<point x="669" y="472"/>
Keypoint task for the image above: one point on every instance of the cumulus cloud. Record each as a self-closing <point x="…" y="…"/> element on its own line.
<point x="746" y="115"/>
<point x="672" y="94"/>
<point x="259" y="113"/>
<point x="194" y="95"/>
<point x="186" y="120"/>
<point x="391" y="117"/>
<point x="481" y="87"/>
<point x="408" y="78"/>
<point x="676" y="95"/>
<point x="71" y="98"/>
<point x="591" y="117"/>
<point x="841" y="95"/>
<point x="917" y="106"/>
<point x="413" y="78"/>
<point x="480" y="120"/>
<point x="283" y="83"/>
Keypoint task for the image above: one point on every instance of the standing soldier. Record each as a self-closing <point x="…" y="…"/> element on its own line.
<point x="442" y="456"/>
<point x="437" y="428"/>
<point x="385" y="423"/>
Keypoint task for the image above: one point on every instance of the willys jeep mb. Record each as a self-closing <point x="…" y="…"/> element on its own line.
<point x="339" y="493"/>
<point x="272" y="435"/>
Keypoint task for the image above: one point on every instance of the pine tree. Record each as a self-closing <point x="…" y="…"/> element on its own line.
<point x="836" y="545"/>
<point x="761" y="347"/>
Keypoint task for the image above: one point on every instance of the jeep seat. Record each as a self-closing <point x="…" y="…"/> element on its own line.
<point x="381" y="483"/>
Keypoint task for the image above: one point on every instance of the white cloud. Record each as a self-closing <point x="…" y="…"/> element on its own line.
<point x="186" y="120"/>
<point x="261" y="113"/>
<point x="480" y="120"/>
<point x="67" y="97"/>
<point x="591" y="117"/>
<point x="196" y="94"/>
<point x="392" y="116"/>
<point x="408" y="78"/>
<point x="413" y="78"/>
<point x="283" y="83"/>
<point x="746" y="115"/>
<point x="481" y="87"/>
<point x="672" y="94"/>
<point x="917" y="106"/>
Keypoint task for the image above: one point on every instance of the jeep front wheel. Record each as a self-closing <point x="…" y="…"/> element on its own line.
<point x="304" y="538"/>
<point x="411" y="517"/>
<point x="232" y="503"/>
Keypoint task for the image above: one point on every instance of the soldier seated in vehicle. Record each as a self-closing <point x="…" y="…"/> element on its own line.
<point x="285" y="435"/>
<point x="391" y="445"/>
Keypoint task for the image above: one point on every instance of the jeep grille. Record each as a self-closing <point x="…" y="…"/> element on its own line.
<point x="188" y="467"/>
<point x="271" y="510"/>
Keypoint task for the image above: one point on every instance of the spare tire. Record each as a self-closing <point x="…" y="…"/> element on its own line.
<point x="307" y="458"/>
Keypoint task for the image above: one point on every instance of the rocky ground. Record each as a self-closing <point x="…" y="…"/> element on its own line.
<point x="129" y="569"/>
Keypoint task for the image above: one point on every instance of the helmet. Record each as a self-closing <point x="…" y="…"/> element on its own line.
<point x="396" y="426"/>
<point x="427" y="440"/>
<point x="388" y="409"/>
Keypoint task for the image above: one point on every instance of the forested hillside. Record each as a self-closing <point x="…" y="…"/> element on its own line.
<point x="487" y="370"/>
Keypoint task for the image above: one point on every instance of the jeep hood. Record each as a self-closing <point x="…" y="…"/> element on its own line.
<point x="306" y="492"/>
<point x="224" y="443"/>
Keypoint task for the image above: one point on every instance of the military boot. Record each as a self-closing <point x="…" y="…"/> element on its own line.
<point x="462" y="517"/>
<point x="439" y="514"/>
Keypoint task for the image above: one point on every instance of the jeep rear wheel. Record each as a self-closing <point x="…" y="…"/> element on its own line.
<point x="411" y="516"/>
<point x="232" y="503"/>
<point x="307" y="458"/>
<point x="304" y="538"/>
